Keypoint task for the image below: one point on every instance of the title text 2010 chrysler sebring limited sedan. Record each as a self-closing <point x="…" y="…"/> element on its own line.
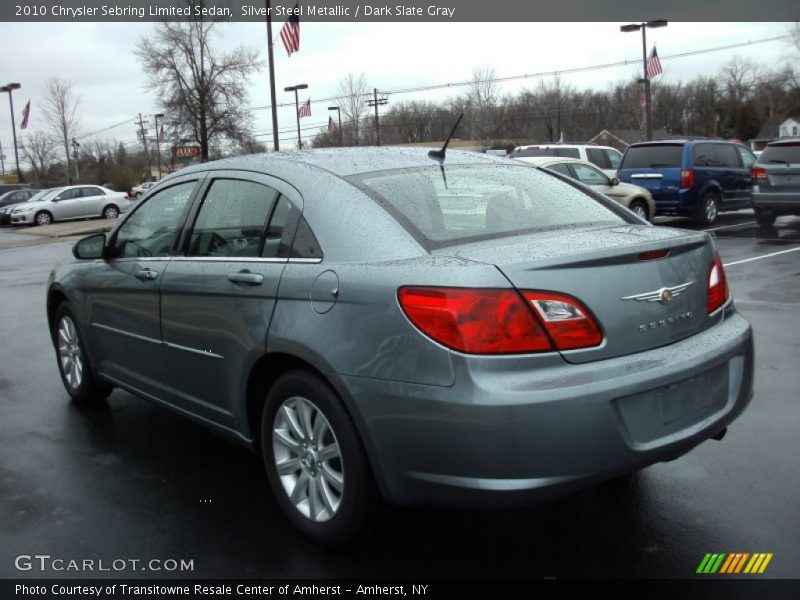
<point x="459" y="330"/>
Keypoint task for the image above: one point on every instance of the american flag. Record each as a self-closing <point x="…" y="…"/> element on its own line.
<point x="305" y="109"/>
<point x="26" y="112"/>
<point x="653" y="64"/>
<point x="331" y="126"/>
<point x="290" y="34"/>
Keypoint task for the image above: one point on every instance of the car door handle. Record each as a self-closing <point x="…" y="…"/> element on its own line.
<point x="246" y="277"/>
<point x="147" y="275"/>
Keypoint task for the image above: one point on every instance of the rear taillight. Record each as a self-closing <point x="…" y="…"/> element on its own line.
<point x="127" y="197"/>
<point x="758" y="174"/>
<point x="492" y="321"/>
<point x="717" y="285"/>
<point x="568" y="322"/>
<point x="687" y="179"/>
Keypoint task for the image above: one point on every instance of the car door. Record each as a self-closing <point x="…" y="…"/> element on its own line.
<point x="731" y="175"/>
<point x="218" y="296"/>
<point x="92" y="202"/>
<point x="67" y="204"/>
<point x="122" y="292"/>
<point x="745" y="179"/>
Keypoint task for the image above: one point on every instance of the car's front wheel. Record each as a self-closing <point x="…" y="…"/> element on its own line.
<point x="314" y="459"/>
<point x="43" y="218"/>
<point x="73" y="361"/>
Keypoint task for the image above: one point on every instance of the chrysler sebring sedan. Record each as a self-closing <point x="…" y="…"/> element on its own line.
<point x="380" y="322"/>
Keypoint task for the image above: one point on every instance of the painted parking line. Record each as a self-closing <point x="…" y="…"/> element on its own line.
<point x="729" y="226"/>
<point x="747" y="260"/>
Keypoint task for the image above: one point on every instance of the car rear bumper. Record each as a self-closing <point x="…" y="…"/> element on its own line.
<point x="506" y="434"/>
<point x="777" y="201"/>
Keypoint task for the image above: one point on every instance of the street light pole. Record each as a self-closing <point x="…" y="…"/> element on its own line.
<point x="271" y="61"/>
<point x="294" y="88"/>
<point x="158" y="143"/>
<point x="339" y="116"/>
<point x="10" y="87"/>
<point x="648" y="111"/>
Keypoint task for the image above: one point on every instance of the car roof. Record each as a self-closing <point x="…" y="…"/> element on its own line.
<point x="345" y="162"/>
<point x="794" y="141"/>
<point x="550" y="160"/>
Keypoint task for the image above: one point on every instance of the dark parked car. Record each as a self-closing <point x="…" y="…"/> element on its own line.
<point x="11" y="198"/>
<point x="776" y="178"/>
<point x="697" y="178"/>
<point x="467" y="330"/>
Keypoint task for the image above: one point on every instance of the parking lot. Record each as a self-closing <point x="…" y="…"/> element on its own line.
<point x="130" y="480"/>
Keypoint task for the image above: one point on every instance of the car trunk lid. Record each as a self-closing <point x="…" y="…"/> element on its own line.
<point x="609" y="270"/>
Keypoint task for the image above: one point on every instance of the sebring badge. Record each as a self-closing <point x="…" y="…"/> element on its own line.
<point x="664" y="295"/>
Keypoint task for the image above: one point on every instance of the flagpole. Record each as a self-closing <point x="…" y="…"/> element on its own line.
<point x="648" y="114"/>
<point x="271" y="60"/>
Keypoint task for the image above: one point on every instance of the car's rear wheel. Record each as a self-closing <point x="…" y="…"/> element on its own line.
<point x="765" y="218"/>
<point x="314" y="459"/>
<point x="43" y="218"/>
<point x="640" y="208"/>
<point x="709" y="209"/>
<point x="73" y="361"/>
<point x="110" y="212"/>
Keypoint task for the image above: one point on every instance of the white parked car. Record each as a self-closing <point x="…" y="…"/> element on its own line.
<point x="606" y="158"/>
<point x="142" y="188"/>
<point x="71" y="202"/>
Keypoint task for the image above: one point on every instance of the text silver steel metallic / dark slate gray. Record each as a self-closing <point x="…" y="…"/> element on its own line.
<point x="464" y="331"/>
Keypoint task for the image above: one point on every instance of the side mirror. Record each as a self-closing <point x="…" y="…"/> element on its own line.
<point x="614" y="181"/>
<point x="89" y="248"/>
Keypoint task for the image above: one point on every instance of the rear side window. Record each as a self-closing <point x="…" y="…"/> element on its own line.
<point x="653" y="156"/>
<point x="704" y="155"/>
<point x="614" y="158"/>
<point x="781" y="153"/>
<point x="522" y="152"/>
<point x="568" y="152"/>
<point x="231" y="219"/>
<point x="748" y="158"/>
<point x="466" y="203"/>
<point x="561" y="168"/>
<point x="305" y="242"/>
<point x="727" y="156"/>
<point x="598" y="157"/>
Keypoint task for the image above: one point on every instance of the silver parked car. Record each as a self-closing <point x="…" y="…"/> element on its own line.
<point x="464" y="330"/>
<point x="776" y="181"/>
<point x="71" y="202"/>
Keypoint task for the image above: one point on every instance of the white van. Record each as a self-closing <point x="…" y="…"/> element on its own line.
<point x="605" y="157"/>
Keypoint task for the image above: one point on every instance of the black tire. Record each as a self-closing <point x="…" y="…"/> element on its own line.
<point x="88" y="390"/>
<point x="43" y="218"/>
<point x="357" y="499"/>
<point x="137" y="194"/>
<point x="708" y="211"/>
<point x="640" y="208"/>
<point x="110" y="212"/>
<point x="765" y="218"/>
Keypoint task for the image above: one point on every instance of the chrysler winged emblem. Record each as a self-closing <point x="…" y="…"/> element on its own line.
<point x="663" y="295"/>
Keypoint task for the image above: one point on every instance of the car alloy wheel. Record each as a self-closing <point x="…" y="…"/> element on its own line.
<point x="111" y="212"/>
<point x="710" y="211"/>
<point x="308" y="459"/>
<point x="43" y="218"/>
<point x="69" y="353"/>
<point x="640" y="210"/>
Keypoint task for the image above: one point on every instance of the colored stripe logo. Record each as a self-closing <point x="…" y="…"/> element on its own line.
<point x="734" y="563"/>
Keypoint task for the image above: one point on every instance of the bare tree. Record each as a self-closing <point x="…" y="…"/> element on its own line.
<point x="354" y="90"/>
<point x="203" y="91"/>
<point x="482" y="96"/>
<point x="60" y="108"/>
<point x="39" y="149"/>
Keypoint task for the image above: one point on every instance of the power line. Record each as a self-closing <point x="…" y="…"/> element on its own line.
<point x="110" y="127"/>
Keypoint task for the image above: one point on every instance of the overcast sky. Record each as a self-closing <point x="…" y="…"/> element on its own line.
<point x="98" y="58"/>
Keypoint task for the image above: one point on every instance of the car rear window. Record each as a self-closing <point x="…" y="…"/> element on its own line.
<point x="789" y="153"/>
<point x="656" y="156"/>
<point x="467" y="203"/>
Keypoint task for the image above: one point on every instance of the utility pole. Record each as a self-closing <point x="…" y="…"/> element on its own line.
<point x="75" y="146"/>
<point x="376" y="103"/>
<point x="339" y="115"/>
<point x="158" y="142"/>
<point x="2" y="160"/>
<point x="144" y="142"/>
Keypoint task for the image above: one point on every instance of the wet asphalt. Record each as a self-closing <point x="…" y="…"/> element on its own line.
<point x="133" y="481"/>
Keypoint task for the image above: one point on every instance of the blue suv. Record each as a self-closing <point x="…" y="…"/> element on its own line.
<point x="697" y="178"/>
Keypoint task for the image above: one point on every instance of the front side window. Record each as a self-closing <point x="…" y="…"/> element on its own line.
<point x="69" y="194"/>
<point x="561" y="168"/>
<point x="468" y="203"/>
<point x="153" y="228"/>
<point x="589" y="175"/>
<point x="231" y="219"/>
<point x="614" y="158"/>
